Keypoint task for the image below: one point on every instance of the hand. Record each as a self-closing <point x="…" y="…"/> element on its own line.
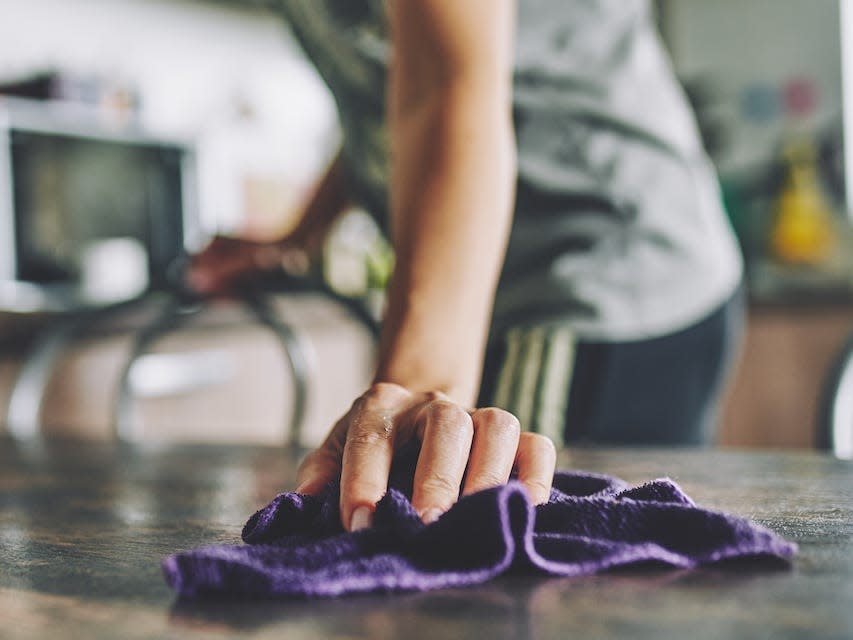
<point x="225" y="262"/>
<point x="483" y="446"/>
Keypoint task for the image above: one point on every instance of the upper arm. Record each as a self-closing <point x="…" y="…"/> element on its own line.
<point x="442" y="43"/>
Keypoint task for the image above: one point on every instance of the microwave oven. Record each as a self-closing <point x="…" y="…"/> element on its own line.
<point x="89" y="212"/>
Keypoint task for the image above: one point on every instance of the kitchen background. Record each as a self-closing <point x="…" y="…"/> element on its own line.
<point x="213" y="103"/>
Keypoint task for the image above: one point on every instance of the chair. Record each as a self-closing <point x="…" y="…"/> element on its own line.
<point x="169" y="368"/>
<point x="119" y="369"/>
<point x="835" y="421"/>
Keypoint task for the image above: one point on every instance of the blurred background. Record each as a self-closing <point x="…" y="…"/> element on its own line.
<point x="133" y="130"/>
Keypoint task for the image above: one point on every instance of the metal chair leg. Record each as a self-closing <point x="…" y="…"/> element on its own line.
<point x="295" y="354"/>
<point x="23" y="415"/>
<point x="173" y="315"/>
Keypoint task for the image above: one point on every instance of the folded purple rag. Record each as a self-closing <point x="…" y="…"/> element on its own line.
<point x="297" y="547"/>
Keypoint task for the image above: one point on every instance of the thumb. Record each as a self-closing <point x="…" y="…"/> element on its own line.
<point x="319" y="468"/>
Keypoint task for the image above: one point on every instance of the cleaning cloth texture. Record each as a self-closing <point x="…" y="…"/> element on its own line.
<point x="296" y="546"/>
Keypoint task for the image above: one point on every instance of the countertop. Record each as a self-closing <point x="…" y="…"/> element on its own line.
<point x="83" y="528"/>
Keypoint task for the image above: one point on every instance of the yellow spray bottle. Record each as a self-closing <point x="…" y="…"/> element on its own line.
<point x="803" y="230"/>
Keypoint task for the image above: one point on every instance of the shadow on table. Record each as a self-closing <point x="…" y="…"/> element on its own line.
<point x="507" y="607"/>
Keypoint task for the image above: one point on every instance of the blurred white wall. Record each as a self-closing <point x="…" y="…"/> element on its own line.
<point x="229" y="77"/>
<point x="743" y="46"/>
<point x="847" y="75"/>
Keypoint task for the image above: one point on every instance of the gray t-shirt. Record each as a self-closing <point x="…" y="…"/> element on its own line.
<point x="619" y="227"/>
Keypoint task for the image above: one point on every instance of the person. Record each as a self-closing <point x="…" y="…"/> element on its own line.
<point x="564" y="267"/>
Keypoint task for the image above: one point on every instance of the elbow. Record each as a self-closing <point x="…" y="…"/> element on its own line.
<point x="449" y="88"/>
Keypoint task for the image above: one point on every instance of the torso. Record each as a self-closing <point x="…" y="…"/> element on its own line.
<point x="619" y="228"/>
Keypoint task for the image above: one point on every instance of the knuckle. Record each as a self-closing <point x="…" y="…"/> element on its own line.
<point x="446" y="422"/>
<point x="446" y="413"/>
<point x="367" y="438"/>
<point x="498" y="418"/>
<point x="487" y="479"/>
<point x="382" y="394"/>
<point x="441" y="485"/>
<point x="435" y="396"/>
<point x="543" y="445"/>
<point x="363" y="488"/>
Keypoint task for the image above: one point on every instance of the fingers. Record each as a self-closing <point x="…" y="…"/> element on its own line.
<point x="209" y="268"/>
<point x="323" y="465"/>
<point x="447" y="432"/>
<point x="319" y="468"/>
<point x="496" y="437"/>
<point x="482" y="447"/>
<point x="367" y="453"/>
<point x="535" y="461"/>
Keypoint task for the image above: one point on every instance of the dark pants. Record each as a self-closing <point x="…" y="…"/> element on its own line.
<point x="664" y="390"/>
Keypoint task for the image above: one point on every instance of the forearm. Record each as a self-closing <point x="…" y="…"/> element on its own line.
<point x="451" y="200"/>
<point x="451" y="197"/>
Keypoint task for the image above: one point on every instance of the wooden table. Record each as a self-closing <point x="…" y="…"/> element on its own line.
<point x="83" y="529"/>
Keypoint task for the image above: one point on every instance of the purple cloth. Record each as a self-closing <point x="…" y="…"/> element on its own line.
<point x="296" y="546"/>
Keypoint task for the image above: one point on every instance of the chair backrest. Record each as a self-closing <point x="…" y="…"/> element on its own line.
<point x="835" y="422"/>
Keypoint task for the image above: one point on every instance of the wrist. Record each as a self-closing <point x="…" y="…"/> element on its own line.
<point x="427" y="364"/>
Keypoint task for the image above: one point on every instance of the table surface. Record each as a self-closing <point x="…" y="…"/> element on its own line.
<point x="83" y="529"/>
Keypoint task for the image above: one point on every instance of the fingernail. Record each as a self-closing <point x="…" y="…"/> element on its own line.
<point x="360" y="518"/>
<point x="431" y="515"/>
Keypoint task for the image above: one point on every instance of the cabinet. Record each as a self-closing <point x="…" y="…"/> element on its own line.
<point x="773" y="398"/>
